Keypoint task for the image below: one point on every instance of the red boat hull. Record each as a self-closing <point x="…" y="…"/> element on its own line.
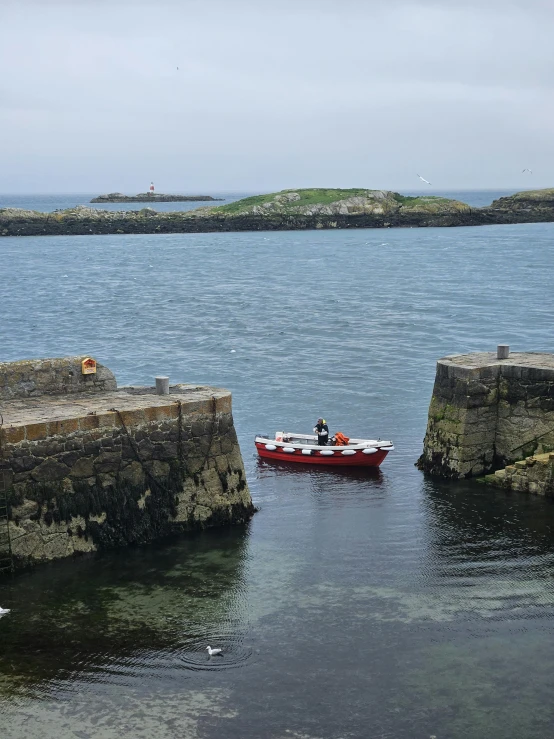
<point x="336" y="460"/>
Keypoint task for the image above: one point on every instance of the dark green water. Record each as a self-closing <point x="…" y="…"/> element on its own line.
<point x="355" y="604"/>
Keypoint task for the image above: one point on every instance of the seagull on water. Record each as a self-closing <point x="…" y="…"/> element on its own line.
<point x="3" y="611"/>
<point x="526" y="170"/>
<point x="423" y="179"/>
<point x="211" y="651"/>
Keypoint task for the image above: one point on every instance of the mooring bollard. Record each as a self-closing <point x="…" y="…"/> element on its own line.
<point x="502" y="351"/>
<point x="162" y="385"/>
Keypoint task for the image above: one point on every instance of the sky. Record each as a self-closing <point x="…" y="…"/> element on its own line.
<point x="261" y="95"/>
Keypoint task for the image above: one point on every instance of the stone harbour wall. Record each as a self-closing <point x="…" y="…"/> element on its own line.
<point x="111" y="479"/>
<point x="32" y="378"/>
<point x="486" y="413"/>
<point x="84" y="472"/>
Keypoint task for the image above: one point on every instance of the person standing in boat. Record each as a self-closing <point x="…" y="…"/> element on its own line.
<point x="322" y="431"/>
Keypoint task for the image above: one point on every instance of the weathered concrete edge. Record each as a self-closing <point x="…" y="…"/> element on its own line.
<point x="501" y="368"/>
<point x="16" y="432"/>
<point x="45" y="429"/>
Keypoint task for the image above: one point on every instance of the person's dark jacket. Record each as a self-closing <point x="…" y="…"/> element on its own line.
<point x="322" y="431"/>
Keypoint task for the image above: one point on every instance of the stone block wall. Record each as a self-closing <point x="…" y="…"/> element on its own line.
<point x="534" y="475"/>
<point x="525" y="412"/>
<point x="486" y="413"/>
<point x="32" y="378"/>
<point x="108" y="478"/>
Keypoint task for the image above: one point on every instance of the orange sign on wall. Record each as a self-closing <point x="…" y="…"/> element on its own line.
<point x="88" y="366"/>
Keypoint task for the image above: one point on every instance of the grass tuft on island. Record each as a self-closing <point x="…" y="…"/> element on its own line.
<point x="312" y="196"/>
<point x="331" y="201"/>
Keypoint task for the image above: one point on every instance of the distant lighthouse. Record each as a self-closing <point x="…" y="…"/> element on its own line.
<point x="151" y="188"/>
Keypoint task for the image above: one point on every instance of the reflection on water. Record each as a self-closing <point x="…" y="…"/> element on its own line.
<point x="326" y="475"/>
<point x="140" y="610"/>
<point x="351" y="599"/>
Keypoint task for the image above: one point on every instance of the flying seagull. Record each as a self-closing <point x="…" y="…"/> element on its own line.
<point x="3" y="611"/>
<point x="211" y="651"/>
<point x="526" y="170"/>
<point x="423" y="179"/>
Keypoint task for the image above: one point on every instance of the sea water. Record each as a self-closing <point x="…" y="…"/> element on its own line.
<point x="355" y="603"/>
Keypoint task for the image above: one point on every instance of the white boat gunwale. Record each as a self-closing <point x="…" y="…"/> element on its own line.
<point x="354" y="444"/>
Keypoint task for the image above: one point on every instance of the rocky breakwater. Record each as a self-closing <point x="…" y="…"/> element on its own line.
<point x="533" y="475"/>
<point x="86" y="466"/>
<point x="529" y="206"/>
<point x="288" y="210"/>
<point x="146" y="197"/>
<point x="487" y="412"/>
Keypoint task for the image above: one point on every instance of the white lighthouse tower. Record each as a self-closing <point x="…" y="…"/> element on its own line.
<point x="151" y="188"/>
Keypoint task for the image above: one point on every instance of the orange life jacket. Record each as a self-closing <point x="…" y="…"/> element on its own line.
<point x="341" y="439"/>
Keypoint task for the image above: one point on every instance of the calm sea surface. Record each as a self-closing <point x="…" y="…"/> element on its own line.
<point x="355" y="604"/>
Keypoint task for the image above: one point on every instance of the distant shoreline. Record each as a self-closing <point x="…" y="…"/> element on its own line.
<point x="289" y="210"/>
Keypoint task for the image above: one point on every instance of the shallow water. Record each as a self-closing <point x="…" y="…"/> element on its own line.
<point x="354" y="604"/>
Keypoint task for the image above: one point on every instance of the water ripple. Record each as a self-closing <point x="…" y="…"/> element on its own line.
<point x="387" y="604"/>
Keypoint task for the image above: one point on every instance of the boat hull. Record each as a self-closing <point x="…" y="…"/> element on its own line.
<point x="337" y="459"/>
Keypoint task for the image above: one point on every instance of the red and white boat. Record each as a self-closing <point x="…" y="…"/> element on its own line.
<point x="304" y="448"/>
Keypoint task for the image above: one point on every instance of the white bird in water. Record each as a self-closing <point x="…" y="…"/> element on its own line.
<point x="423" y="179"/>
<point x="3" y="611"/>
<point x="211" y="651"/>
<point x="526" y="170"/>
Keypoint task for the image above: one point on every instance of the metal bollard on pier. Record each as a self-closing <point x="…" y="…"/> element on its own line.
<point x="162" y="385"/>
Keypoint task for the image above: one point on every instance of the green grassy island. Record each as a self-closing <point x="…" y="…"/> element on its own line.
<point x="288" y="210"/>
<point x="313" y="201"/>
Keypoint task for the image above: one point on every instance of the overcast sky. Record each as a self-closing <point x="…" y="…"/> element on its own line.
<point x="274" y="94"/>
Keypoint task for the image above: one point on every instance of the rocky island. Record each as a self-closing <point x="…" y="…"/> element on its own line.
<point x="288" y="210"/>
<point x="150" y="197"/>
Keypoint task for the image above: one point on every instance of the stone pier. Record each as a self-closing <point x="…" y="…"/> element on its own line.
<point x="487" y="412"/>
<point x="85" y="465"/>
